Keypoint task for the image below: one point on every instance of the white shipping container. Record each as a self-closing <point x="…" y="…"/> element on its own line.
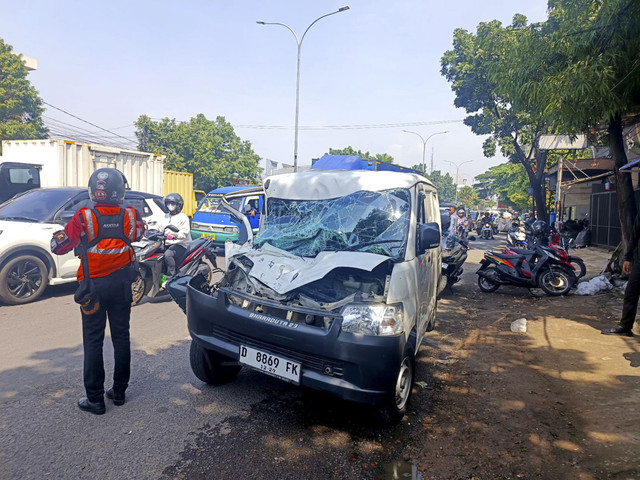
<point x="67" y="163"/>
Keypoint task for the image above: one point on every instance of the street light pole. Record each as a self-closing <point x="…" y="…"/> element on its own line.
<point x="299" y="44"/>
<point x="424" y="148"/>
<point x="457" y="170"/>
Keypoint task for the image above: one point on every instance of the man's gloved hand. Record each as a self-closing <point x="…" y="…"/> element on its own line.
<point x="170" y="237"/>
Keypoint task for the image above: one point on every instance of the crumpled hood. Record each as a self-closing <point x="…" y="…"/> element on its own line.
<point x="283" y="272"/>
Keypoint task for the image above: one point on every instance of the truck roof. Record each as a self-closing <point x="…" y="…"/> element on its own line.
<point x="326" y="184"/>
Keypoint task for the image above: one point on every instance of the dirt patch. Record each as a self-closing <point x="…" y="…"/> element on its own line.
<point x="557" y="401"/>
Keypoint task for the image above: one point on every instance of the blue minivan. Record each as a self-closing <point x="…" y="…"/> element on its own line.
<point x="211" y="219"/>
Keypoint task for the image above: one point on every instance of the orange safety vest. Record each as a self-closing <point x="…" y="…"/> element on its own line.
<point x="107" y="240"/>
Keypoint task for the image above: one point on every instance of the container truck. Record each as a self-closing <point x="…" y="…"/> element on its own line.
<point x="27" y="164"/>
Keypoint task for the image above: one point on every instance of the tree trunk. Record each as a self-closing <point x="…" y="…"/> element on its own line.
<point x="624" y="186"/>
<point x="535" y="179"/>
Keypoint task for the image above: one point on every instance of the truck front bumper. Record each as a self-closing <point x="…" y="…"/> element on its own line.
<point x="358" y="368"/>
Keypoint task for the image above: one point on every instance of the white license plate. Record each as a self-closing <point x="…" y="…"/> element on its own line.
<point x="271" y="364"/>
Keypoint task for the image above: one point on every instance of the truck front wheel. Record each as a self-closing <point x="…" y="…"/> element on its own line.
<point x="23" y="279"/>
<point x="396" y="406"/>
<point x="211" y="367"/>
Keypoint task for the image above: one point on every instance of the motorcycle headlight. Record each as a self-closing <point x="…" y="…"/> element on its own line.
<point x="368" y="319"/>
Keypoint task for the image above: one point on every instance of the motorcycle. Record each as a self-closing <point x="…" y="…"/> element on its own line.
<point x="486" y="231"/>
<point x="198" y="258"/>
<point x="517" y="236"/>
<point x="454" y="254"/>
<point x="541" y="267"/>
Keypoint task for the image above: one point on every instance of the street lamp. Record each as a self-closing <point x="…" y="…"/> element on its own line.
<point x="458" y="165"/>
<point x="424" y="148"/>
<point x="299" y="43"/>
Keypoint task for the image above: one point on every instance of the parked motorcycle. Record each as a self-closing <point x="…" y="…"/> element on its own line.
<point x="454" y="254"/>
<point x="541" y="267"/>
<point x="198" y="258"/>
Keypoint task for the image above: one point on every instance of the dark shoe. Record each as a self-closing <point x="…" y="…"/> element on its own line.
<point x="97" y="408"/>
<point x="118" y="398"/>
<point x="617" y="330"/>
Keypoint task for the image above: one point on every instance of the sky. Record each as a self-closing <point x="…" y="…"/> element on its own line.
<point x="366" y="74"/>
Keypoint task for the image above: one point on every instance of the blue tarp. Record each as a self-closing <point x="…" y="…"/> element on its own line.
<point x="338" y="162"/>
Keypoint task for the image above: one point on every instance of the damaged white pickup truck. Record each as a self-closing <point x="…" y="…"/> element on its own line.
<point x="335" y="292"/>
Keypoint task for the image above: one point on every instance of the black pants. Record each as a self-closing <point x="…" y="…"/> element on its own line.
<point x="631" y="296"/>
<point x="114" y="292"/>
<point x="173" y="257"/>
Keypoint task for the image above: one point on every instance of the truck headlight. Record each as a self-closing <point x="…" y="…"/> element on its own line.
<point x="231" y="230"/>
<point x="369" y="319"/>
<point x="196" y="226"/>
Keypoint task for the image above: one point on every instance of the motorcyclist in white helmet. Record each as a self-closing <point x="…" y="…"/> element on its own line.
<point x="176" y="241"/>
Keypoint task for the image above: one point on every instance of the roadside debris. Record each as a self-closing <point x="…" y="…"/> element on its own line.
<point x="594" y="286"/>
<point x="519" y="325"/>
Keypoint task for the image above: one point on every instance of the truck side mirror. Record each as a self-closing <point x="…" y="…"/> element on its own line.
<point x="428" y="236"/>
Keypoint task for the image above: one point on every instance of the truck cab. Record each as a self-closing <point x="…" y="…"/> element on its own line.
<point x="335" y="292"/>
<point x="17" y="178"/>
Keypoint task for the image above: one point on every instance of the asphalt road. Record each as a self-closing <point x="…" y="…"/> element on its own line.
<point x="173" y="425"/>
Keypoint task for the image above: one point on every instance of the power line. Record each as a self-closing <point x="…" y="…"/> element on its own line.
<point x="87" y="122"/>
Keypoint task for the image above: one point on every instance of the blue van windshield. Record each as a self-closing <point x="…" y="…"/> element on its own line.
<point x="211" y="204"/>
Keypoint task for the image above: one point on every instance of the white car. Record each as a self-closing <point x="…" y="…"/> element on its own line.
<point x="27" y="222"/>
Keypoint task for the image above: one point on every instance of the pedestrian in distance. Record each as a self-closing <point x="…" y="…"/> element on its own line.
<point x="631" y="268"/>
<point x="102" y="237"/>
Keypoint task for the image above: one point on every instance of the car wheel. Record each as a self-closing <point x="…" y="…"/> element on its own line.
<point x="487" y="285"/>
<point x="211" y="367"/>
<point x="556" y="281"/>
<point x="396" y="406"/>
<point x="138" y="289"/>
<point x="23" y="279"/>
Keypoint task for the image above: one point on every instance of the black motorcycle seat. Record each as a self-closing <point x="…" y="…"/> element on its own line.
<point x="523" y="251"/>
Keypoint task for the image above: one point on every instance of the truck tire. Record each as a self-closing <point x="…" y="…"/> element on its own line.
<point x="23" y="279"/>
<point x="211" y="367"/>
<point x="395" y="408"/>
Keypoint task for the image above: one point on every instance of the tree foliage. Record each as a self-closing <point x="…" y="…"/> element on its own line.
<point x="581" y="69"/>
<point x="475" y="67"/>
<point x="20" y="105"/>
<point x="380" y="157"/>
<point x="209" y="149"/>
<point x="509" y="181"/>
<point x="468" y="197"/>
<point x="444" y="184"/>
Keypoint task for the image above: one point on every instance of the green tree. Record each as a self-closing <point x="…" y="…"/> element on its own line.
<point x="209" y="149"/>
<point x="582" y="70"/>
<point x="475" y="67"/>
<point x="444" y="184"/>
<point x="380" y="157"/>
<point x="509" y="181"/>
<point x="468" y="197"/>
<point x="20" y="105"/>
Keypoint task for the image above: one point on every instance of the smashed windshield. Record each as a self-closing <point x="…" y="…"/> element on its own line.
<point x="364" y="221"/>
<point x="211" y="204"/>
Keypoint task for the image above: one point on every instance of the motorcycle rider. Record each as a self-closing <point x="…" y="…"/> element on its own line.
<point x="176" y="241"/>
<point x="105" y="233"/>
<point x="462" y="223"/>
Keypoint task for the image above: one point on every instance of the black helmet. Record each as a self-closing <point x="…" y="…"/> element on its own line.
<point x="175" y="199"/>
<point x="540" y="228"/>
<point x="106" y="185"/>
